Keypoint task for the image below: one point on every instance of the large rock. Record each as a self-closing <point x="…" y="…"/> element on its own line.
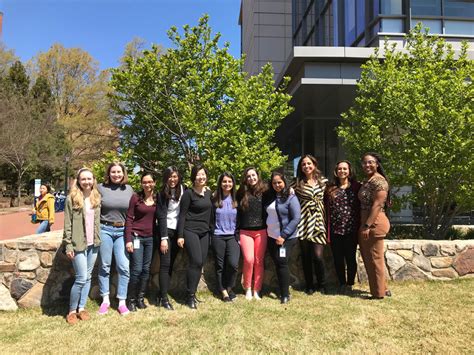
<point x="29" y="261"/>
<point x="410" y="272"/>
<point x="430" y="249"/>
<point x="441" y="262"/>
<point x="19" y="287"/>
<point x="448" y="249"/>
<point x="397" y="245"/>
<point x="47" y="245"/>
<point x="405" y="254"/>
<point x="446" y="273"/>
<point x="11" y="256"/>
<point x="422" y="262"/>
<point x="42" y="274"/>
<point x="7" y="303"/>
<point x="7" y="267"/>
<point x="464" y="262"/>
<point x="46" y="259"/>
<point x="33" y="297"/>
<point x="394" y="262"/>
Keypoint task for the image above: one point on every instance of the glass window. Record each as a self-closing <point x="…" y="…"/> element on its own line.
<point x="360" y="14"/>
<point x="391" y="25"/>
<point x="434" y="26"/>
<point x="459" y="28"/>
<point x="391" y="7"/>
<point x="350" y="21"/>
<point x="426" y="7"/>
<point x="458" y="8"/>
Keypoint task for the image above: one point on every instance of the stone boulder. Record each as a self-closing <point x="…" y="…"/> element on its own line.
<point x="32" y="298"/>
<point x="464" y="262"/>
<point x="430" y="249"/>
<point x="19" y="287"/>
<point x="29" y="261"/>
<point x="394" y="262"/>
<point x="410" y="272"/>
<point x="7" y="303"/>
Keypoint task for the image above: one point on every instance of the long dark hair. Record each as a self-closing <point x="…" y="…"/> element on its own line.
<point x="165" y="191"/>
<point x="285" y="193"/>
<point x="300" y="175"/>
<point x="218" y="196"/>
<point x="141" y="193"/>
<point x="381" y="171"/>
<point x="245" y="189"/>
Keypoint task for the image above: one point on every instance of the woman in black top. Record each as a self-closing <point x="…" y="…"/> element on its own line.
<point x="194" y="225"/>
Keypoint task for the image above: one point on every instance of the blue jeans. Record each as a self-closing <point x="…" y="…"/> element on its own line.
<point x="83" y="264"/>
<point x="140" y="267"/>
<point x="112" y="242"/>
<point x="43" y="227"/>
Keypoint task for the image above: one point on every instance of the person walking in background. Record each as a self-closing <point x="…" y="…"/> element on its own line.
<point x="253" y="231"/>
<point x="225" y="235"/>
<point x="374" y="225"/>
<point x="194" y="225"/>
<point x="283" y="216"/>
<point x="167" y="212"/>
<point x="81" y="238"/>
<point x="115" y="194"/>
<point x="343" y="214"/>
<point x="44" y="209"/>
<point x="139" y="228"/>
<point x="309" y="187"/>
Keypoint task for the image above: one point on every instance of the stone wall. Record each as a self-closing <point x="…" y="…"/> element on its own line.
<point x="35" y="272"/>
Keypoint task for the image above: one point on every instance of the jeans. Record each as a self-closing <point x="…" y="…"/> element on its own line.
<point x="140" y="267"/>
<point x="227" y="253"/>
<point x="344" y="253"/>
<point x="281" y="263"/>
<point x="253" y="244"/>
<point x="43" y="227"/>
<point x="112" y="242"/>
<point x="196" y="246"/>
<point x="167" y="261"/>
<point x="83" y="264"/>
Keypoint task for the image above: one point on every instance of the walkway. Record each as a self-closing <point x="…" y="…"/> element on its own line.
<point x="17" y="224"/>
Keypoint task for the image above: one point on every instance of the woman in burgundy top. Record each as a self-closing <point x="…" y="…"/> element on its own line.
<point x="139" y="228"/>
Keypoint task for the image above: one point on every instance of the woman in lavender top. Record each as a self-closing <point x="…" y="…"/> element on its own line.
<point x="225" y="234"/>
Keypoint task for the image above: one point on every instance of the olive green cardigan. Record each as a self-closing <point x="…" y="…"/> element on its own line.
<point x="74" y="237"/>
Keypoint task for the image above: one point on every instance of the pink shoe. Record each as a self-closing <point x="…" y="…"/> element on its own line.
<point x="104" y="308"/>
<point x="123" y="310"/>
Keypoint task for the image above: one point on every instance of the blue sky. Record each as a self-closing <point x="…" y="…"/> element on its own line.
<point x="103" y="27"/>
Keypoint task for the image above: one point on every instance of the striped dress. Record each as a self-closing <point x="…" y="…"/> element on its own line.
<point x="312" y="226"/>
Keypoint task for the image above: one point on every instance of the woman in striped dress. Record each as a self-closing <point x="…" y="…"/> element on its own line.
<point x="309" y="187"/>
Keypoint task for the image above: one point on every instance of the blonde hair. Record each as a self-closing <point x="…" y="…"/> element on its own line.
<point x="77" y="197"/>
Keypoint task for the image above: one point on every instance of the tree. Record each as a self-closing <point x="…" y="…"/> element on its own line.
<point x="415" y="107"/>
<point x="79" y="92"/>
<point x="193" y="103"/>
<point x="7" y="58"/>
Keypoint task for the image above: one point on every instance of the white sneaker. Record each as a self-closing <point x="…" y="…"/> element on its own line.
<point x="248" y="294"/>
<point x="256" y="295"/>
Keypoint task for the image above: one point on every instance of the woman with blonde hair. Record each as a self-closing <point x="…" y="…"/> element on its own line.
<point x="82" y="239"/>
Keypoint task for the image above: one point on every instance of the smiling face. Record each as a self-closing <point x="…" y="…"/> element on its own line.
<point x="251" y="177"/>
<point x="226" y="185"/>
<point x="278" y="183"/>
<point x="116" y="174"/>
<point x="86" y="180"/>
<point x="173" y="180"/>
<point x="308" y="167"/>
<point x="201" y="178"/>
<point x="343" y="171"/>
<point x="148" y="184"/>
<point x="369" y="165"/>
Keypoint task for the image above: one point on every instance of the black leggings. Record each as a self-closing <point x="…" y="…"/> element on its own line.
<point x="344" y="253"/>
<point x="281" y="263"/>
<point x="227" y="253"/>
<point x="312" y="253"/>
<point x="196" y="246"/>
<point x="167" y="262"/>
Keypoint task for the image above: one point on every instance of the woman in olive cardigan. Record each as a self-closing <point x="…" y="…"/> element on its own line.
<point x="82" y="239"/>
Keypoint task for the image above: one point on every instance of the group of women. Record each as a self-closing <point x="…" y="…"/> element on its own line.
<point x="109" y="219"/>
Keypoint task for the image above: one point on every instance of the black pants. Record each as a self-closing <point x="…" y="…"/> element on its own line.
<point x="227" y="253"/>
<point x="166" y="262"/>
<point x="140" y="261"/>
<point x="344" y="253"/>
<point x="312" y="254"/>
<point x="196" y="246"/>
<point x="281" y="263"/>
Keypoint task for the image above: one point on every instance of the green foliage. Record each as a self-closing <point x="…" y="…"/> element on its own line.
<point x="415" y="107"/>
<point x="192" y="103"/>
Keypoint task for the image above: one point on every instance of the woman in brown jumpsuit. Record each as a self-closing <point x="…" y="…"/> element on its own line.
<point x="375" y="225"/>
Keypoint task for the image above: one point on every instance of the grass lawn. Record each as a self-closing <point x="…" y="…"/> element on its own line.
<point x="424" y="317"/>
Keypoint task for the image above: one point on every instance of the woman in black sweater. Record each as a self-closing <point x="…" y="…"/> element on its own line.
<point x="194" y="225"/>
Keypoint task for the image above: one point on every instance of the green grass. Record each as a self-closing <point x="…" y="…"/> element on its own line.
<point x="427" y="317"/>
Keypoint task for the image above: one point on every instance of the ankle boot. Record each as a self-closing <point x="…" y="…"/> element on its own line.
<point x="191" y="301"/>
<point x="165" y="303"/>
<point x="132" y="304"/>
<point x="141" y="301"/>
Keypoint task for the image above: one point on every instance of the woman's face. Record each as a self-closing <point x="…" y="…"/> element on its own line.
<point x="343" y="171"/>
<point x="251" y="177"/>
<point x="201" y="178"/>
<point x="369" y="165"/>
<point x="173" y="180"/>
<point x="278" y="183"/>
<point x="148" y="184"/>
<point x="227" y="184"/>
<point x="308" y="167"/>
<point x="116" y="174"/>
<point x="86" y="181"/>
<point x="43" y="190"/>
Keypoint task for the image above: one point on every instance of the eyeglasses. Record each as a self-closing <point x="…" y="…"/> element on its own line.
<point x="369" y="162"/>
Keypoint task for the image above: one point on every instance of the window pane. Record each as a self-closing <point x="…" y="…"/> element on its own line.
<point x="459" y="8"/>
<point x="392" y="7"/>
<point x="360" y="14"/>
<point x="392" y="25"/>
<point x="350" y="21"/>
<point x="459" y="28"/>
<point x="434" y="25"/>
<point x="426" y="7"/>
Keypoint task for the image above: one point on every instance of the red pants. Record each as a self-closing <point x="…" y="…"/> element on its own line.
<point x="253" y="245"/>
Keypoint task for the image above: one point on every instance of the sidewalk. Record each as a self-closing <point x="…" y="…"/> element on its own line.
<point x="17" y="224"/>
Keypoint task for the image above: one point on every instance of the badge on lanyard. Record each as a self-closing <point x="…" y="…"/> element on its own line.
<point x="282" y="252"/>
<point x="136" y="243"/>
